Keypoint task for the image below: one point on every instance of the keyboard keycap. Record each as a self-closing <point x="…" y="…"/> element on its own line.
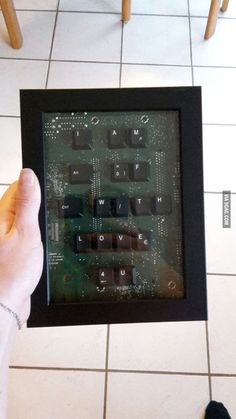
<point x="70" y="207"/>
<point x="102" y="207"/>
<point x="120" y="206"/>
<point x="103" y="241"/>
<point x="117" y="138"/>
<point x="123" y="241"/>
<point x="140" y="171"/>
<point x="142" y="241"/>
<point x="81" y="173"/>
<point x="141" y="206"/>
<point x="161" y="204"/>
<point x="125" y="275"/>
<point x="82" y="139"/>
<point x="105" y="277"/>
<point x="137" y="138"/>
<point x="83" y="242"/>
<point x="120" y="172"/>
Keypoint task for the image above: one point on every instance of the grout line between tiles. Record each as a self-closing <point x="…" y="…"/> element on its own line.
<point x="10" y="116"/>
<point x="60" y="60"/>
<point x="50" y="55"/>
<point x="23" y="59"/>
<point x="218" y="17"/>
<point x="157" y="372"/>
<point x="112" y="370"/>
<point x="214" y="66"/>
<point x="219" y="274"/>
<point x="35" y="10"/>
<point x="121" y="53"/>
<point x="219" y="124"/>
<point x="25" y="367"/>
<point x="93" y="12"/>
<point x="218" y="193"/>
<point x="106" y="372"/>
<point x="208" y="360"/>
<point x="90" y="12"/>
<point x="190" y="44"/>
<point x="124" y="371"/>
<point x="126" y="63"/>
<point x="181" y="65"/>
<point x="85" y="62"/>
<point x="215" y="374"/>
<point x="145" y="64"/>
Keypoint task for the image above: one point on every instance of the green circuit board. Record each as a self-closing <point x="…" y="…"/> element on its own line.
<point x="113" y="204"/>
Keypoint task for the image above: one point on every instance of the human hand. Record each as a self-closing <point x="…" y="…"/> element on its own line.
<point x="21" y="249"/>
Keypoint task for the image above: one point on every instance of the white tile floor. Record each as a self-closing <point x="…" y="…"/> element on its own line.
<point x="138" y="371"/>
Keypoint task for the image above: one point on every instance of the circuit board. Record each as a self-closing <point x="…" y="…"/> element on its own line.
<point x="113" y="205"/>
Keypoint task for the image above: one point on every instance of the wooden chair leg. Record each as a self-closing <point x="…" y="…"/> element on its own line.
<point x="224" y="5"/>
<point x="126" y="8"/>
<point x="212" y="18"/>
<point x="12" y="24"/>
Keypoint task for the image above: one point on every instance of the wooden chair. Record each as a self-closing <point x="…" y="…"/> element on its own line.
<point x="213" y="14"/>
<point x="126" y="10"/>
<point x="212" y="17"/>
<point x="13" y="27"/>
<point x="16" y="39"/>
<point x="12" y="24"/>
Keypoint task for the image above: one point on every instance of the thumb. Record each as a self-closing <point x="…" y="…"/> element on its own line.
<point x="27" y="202"/>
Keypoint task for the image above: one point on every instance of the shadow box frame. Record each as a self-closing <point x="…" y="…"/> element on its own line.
<point x="187" y="101"/>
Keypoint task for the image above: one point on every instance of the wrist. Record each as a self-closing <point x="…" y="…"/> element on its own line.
<point x="11" y="296"/>
<point x="12" y="314"/>
<point x="8" y="323"/>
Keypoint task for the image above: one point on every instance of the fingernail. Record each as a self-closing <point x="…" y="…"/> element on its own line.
<point x="26" y="177"/>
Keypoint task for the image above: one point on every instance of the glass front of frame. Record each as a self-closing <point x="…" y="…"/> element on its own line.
<point x="113" y="205"/>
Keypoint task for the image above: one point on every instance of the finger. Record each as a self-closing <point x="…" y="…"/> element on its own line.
<point x="7" y="209"/>
<point x="7" y="201"/>
<point x="27" y="202"/>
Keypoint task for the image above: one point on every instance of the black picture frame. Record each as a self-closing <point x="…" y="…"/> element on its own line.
<point x="187" y="100"/>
